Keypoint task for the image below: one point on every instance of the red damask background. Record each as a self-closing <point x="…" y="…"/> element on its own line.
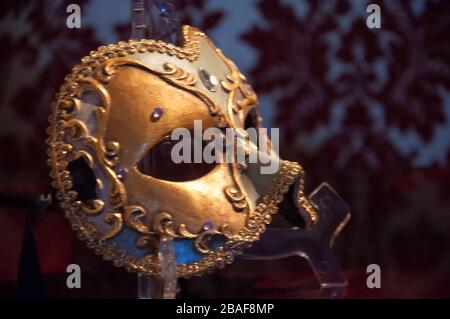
<point x="367" y="110"/>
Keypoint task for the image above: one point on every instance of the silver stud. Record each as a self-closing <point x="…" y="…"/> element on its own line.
<point x="209" y="81"/>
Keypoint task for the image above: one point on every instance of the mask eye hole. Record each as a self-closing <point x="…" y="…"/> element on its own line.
<point x="158" y="163"/>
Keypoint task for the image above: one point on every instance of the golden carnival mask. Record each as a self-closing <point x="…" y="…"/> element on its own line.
<point x="108" y="146"/>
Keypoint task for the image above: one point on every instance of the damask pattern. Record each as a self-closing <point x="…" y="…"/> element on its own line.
<point x="364" y="97"/>
<point x="37" y="52"/>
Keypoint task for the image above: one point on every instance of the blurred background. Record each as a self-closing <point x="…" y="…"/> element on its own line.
<point x="367" y="110"/>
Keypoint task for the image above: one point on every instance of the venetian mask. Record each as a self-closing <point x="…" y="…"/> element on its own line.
<point x="109" y="150"/>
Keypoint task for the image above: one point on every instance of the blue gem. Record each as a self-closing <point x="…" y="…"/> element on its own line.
<point x="121" y="173"/>
<point x="156" y="114"/>
<point x="208" y="225"/>
<point x="163" y="10"/>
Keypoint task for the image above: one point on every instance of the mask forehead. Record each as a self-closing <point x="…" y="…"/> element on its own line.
<point x="135" y="95"/>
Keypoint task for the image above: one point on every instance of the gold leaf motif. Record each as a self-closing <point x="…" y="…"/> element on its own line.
<point x="301" y="201"/>
<point x="112" y="149"/>
<point x="164" y="225"/>
<point x="92" y="207"/>
<point x="132" y="216"/>
<point x="178" y="75"/>
<point x="114" y="219"/>
<point x="179" y="78"/>
<point x="99" y="183"/>
<point x="76" y="129"/>
<point x="146" y="242"/>
<point x="69" y="107"/>
<point x="201" y="242"/>
<point x="236" y="198"/>
<point x="182" y="229"/>
<point x="117" y="194"/>
<point x="230" y="84"/>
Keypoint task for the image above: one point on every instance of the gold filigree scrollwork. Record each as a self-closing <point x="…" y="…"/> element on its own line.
<point x="201" y="242"/>
<point x="69" y="107"/>
<point x="178" y="75"/>
<point x="76" y="129"/>
<point x="92" y="207"/>
<point x="235" y="196"/>
<point x="163" y="224"/>
<point x="115" y="220"/>
<point x="230" y="84"/>
<point x="117" y="194"/>
<point x="234" y="82"/>
<point x="106" y="72"/>
<point x="146" y="242"/>
<point x="240" y="98"/>
<point x="106" y="153"/>
<point x="301" y="201"/>
<point x="184" y="232"/>
<point x="99" y="183"/>
<point x="132" y="218"/>
<point x="112" y="150"/>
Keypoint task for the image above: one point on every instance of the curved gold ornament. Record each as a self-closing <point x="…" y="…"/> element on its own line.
<point x="236" y="198"/>
<point x="201" y="241"/>
<point x="178" y="75"/>
<point x="76" y="129"/>
<point x="302" y="201"/>
<point x="147" y="241"/>
<point x="163" y="224"/>
<point x="132" y="216"/>
<point x="174" y="75"/>
<point x="114" y="219"/>
<point x="93" y="207"/>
